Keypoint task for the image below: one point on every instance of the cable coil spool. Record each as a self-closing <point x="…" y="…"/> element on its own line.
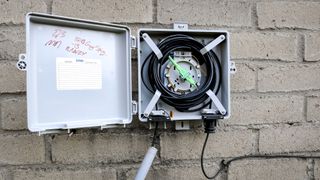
<point x="192" y="101"/>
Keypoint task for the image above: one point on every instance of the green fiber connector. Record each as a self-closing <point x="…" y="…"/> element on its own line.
<point x="183" y="72"/>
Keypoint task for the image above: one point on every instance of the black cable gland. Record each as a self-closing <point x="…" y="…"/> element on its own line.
<point x="210" y="125"/>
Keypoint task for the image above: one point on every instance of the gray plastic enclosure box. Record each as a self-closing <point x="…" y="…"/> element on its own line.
<point x="222" y="50"/>
<point x="78" y="73"/>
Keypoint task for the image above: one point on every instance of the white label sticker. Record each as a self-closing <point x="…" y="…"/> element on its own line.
<point x="78" y="74"/>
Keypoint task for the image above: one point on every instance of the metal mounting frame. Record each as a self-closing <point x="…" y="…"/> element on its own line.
<point x="152" y="103"/>
<point x="212" y="44"/>
<point x="216" y="102"/>
<point x="152" y="45"/>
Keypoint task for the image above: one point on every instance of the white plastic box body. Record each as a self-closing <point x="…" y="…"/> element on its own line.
<point x="205" y="36"/>
<point x="78" y="73"/>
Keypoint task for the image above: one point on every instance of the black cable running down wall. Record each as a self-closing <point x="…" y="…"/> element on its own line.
<point x="225" y="164"/>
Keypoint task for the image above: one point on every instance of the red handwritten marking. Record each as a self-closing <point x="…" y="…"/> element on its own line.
<point x="79" y="46"/>
<point x="76" y="45"/>
<point x="100" y="51"/>
<point x="90" y="46"/>
<point x="75" y="51"/>
<point x="57" y="35"/>
<point x="53" y="43"/>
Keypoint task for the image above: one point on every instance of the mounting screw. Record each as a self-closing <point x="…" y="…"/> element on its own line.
<point x="21" y="64"/>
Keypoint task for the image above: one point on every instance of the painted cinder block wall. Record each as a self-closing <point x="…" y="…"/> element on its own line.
<point x="275" y="95"/>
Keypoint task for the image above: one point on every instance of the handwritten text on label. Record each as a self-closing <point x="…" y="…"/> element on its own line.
<point x="79" y="46"/>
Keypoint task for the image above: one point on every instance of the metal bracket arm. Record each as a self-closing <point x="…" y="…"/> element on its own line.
<point x="212" y="44"/>
<point x="152" y="45"/>
<point x="152" y="103"/>
<point x="216" y="102"/>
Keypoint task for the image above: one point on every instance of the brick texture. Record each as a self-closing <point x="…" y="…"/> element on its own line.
<point x="281" y="169"/>
<point x="13" y="114"/>
<point x="317" y="170"/>
<point x="275" y="99"/>
<point x="177" y="173"/>
<point x="275" y="46"/>
<point x="4" y="174"/>
<point x="99" y="148"/>
<point x="13" y="11"/>
<point x="11" y="79"/>
<point x="288" y="15"/>
<point x="21" y="149"/>
<point x="248" y="110"/>
<point x="245" y="78"/>
<point x="313" y="109"/>
<point x="312" y="47"/>
<point x="289" y="78"/>
<point x="289" y="139"/>
<point x="206" y="12"/>
<point x="187" y="145"/>
<point x="11" y="42"/>
<point x="65" y="174"/>
<point x="107" y="11"/>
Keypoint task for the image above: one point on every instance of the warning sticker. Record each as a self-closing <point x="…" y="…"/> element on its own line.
<point x="78" y="74"/>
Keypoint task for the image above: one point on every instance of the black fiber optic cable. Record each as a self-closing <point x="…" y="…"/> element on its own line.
<point x="155" y="136"/>
<point x="225" y="164"/>
<point x="195" y="100"/>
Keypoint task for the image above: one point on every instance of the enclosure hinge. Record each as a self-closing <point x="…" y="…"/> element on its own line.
<point x="134" y="107"/>
<point x="133" y="42"/>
